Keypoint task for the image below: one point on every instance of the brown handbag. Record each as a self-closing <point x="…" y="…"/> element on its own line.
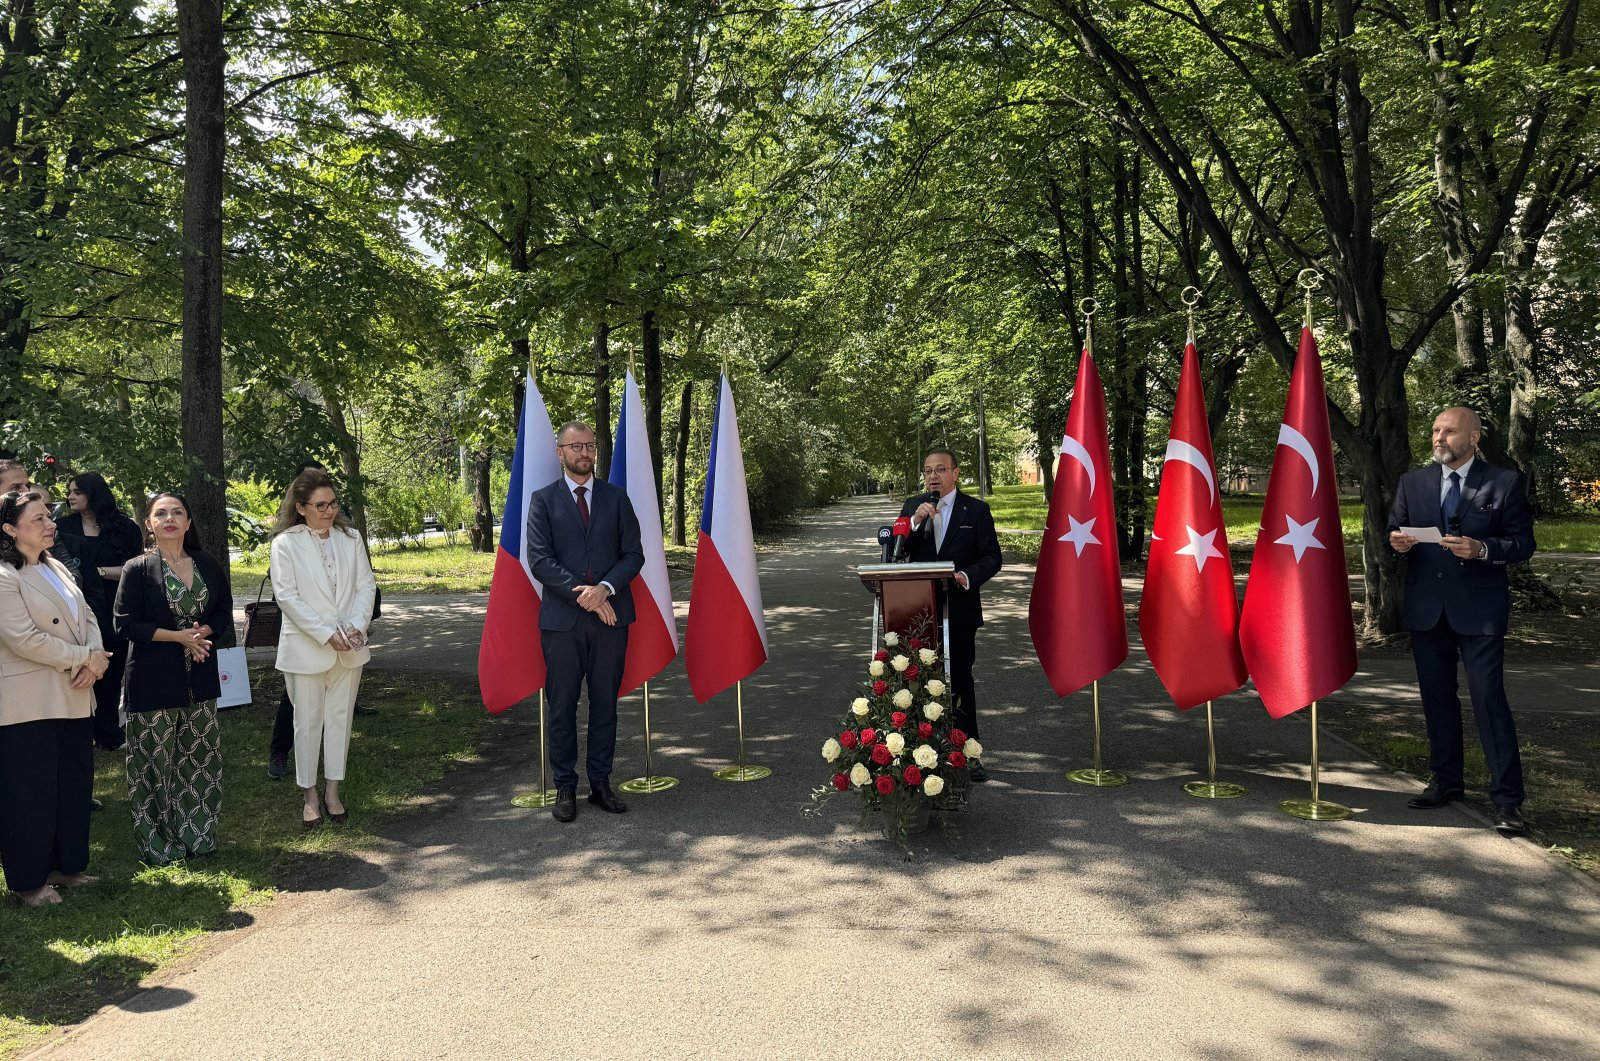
<point x="263" y="620"/>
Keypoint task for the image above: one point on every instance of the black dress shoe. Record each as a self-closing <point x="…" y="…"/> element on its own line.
<point x="566" y="807"/>
<point x="1509" y="821"/>
<point x="977" y="773"/>
<point x="365" y="712"/>
<point x="277" y="766"/>
<point x="602" y="796"/>
<point x="95" y="804"/>
<point x="1433" y="797"/>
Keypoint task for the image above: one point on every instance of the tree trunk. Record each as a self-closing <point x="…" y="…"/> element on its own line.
<point x="602" y="400"/>
<point x="355" y="486"/>
<point x="1045" y="439"/>
<point x="205" y="139"/>
<point x="985" y="484"/>
<point x="481" y="531"/>
<point x="651" y="331"/>
<point x="680" y="465"/>
<point x="1522" y="351"/>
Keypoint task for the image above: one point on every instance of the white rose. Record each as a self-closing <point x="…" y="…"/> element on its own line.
<point x="932" y="710"/>
<point x="933" y="784"/>
<point x="902" y="699"/>
<point x="859" y="775"/>
<point x="860" y="707"/>
<point x="973" y="749"/>
<point x="935" y="688"/>
<point x="875" y="668"/>
<point x="891" y="639"/>
<point x="895" y="743"/>
<point x="925" y="756"/>
<point x="928" y="655"/>
<point x="899" y="663"/>
<point x="831" y="749"/>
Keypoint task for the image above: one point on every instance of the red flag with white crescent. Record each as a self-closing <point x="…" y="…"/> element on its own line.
<point x="1075" y="610"/>
<point x="1297" y="631"/>
<point x="1189" y="612"/>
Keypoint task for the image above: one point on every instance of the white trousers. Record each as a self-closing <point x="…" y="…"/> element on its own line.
<point x="324" y="705"/>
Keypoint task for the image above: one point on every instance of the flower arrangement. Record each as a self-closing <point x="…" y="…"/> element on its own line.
<point x="898" y="745"/>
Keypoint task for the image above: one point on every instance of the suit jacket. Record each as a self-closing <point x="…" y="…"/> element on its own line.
<point x="42" y="645"/>
<point x="312" y="608"/>
<point x="118" y="542"/>
<point x="1473" y="595"/>
<point x="562" y="555"/>
<point x="156" y="676"/>
<point x="970" y="543"/>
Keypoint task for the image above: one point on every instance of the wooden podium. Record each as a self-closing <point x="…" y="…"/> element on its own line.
<point x="910" y="600"/>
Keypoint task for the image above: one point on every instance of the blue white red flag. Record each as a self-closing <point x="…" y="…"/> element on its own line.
<point x="510" y="661"/>
<point x="727" y="635"/>
<point x="653" y="637"/>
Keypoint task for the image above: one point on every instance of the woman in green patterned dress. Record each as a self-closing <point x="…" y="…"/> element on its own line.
<point x="175" y="607"/>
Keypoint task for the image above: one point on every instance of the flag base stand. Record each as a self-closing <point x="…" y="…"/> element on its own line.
<point x="1211" y="788"/>
<point x="641" y="786"/>
<point x="1095" y="776"/>
<point x="542" y="796"/>
<point x="741" y="772"/>
<point x="1315" y="809"/>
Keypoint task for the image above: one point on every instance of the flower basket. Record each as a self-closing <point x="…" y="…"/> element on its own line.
<point x="897" y="746"/>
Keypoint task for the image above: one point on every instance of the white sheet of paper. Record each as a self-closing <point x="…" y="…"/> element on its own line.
<point x="1423" y="534"/>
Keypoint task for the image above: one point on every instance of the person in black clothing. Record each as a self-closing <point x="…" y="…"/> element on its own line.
<point x="106" y="539"/>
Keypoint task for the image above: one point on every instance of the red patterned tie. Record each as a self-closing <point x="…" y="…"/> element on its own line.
<point x="583" y="506"/>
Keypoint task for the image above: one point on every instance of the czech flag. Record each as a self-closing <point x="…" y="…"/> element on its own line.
<point x="727" y="636"/>
<point x="510" y="661"/>
<point x="653" y="637"/>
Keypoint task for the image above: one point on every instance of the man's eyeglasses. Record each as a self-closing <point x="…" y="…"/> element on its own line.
<point x="324" y="506"/>
<point x="940" y="470"/>
<point x="581" y="447"/>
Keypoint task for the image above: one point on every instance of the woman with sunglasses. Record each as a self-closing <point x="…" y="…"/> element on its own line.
<point x="50" y="656"/>
<point x="324" y="585"/>
<point x="175" y="608"/>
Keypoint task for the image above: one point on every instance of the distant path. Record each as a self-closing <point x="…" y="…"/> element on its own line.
<point x="714" y="921"/>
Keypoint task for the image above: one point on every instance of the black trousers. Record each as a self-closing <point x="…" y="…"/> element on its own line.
<point x="46" y="782"/>
<point x="963" y="654"/>
<point x="283" y="727"/>
<point x="590" y="653"/>
<point x="1436" y="652"/>
<point x="108" y="697"/>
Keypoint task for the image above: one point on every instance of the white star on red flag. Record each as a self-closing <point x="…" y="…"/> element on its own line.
<point x="1301" y="536"/>
<point x="1080" y="535"/>
<point x="1201" y="546"/>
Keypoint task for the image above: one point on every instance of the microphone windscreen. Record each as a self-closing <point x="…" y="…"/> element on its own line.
<point x="902" y="526"/>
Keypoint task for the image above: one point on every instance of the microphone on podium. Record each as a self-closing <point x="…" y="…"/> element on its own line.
<point x="886" y="541"/>
<point x="902" y="535"/>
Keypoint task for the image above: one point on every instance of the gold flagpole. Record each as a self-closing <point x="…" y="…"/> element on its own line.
<point x="741" y="772"/>
<point x="1212" y="788"/>
<point x="1315" y="809"/>
<point x="544" y="795"/>
<point x="649" y="782"/>
<point x="1097" y="777"/>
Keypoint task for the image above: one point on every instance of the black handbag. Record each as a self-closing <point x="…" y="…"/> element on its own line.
<point x="263" y="620"/>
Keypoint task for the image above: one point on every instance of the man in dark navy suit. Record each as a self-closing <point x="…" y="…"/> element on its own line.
<point x="583" y="547"/>
<point x="947" y="524"/>
<point x="1458" y="602"/>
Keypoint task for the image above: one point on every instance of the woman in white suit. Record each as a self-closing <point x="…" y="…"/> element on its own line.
<point x="324" y="584"/>
<point x="50" y="657"/>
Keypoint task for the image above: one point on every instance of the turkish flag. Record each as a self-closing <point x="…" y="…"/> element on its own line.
<point x="1189" y="613"/>
<point x="1297" y="631"/>
<point x="1075" y="610"/>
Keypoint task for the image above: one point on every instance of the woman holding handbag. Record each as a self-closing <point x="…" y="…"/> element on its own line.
<point x="175" y="608"/>
<point x="324" y="585"/>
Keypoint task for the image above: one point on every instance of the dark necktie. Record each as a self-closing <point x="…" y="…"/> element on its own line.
<point x="583" y="506"/>
<point x="1452" y="497"/>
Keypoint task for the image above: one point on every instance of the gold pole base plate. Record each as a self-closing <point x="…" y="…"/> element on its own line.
<point x="1098" y="778"/>
<point x="535" y="798"/>
<point x="653" y="783"/>
<point x="1214" y="789"/>
<point x="1315" y="810"/>
<point x="742" y="773"/>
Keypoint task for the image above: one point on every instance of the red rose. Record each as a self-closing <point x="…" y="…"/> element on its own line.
<point x="882" y="656"/>
<point x="925" y="730"/>
<point x="916" y="643"/>
<point x="957" y="737"/>
<point x="912" y="672"/>
<point x="881" y="756"/>
<point x="958" y="760"/>
<point x="847" y="739"/>
<point x="885" y="784"/>
<point x="913" y="775"/>
<point x="869" y="737"/>
<point x="880" y="687"/>
<point x="898" y="718"/>
<point x="841" y="782"/>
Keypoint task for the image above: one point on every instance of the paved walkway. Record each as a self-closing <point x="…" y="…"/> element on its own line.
<point x="716" y="921"/>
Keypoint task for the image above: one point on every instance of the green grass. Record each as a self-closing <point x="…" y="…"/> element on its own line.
<point x="59" y="964"/>
<point x="431" y="567"/>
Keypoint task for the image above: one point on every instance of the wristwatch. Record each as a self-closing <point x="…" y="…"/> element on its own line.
<point x="1483" y="551"/>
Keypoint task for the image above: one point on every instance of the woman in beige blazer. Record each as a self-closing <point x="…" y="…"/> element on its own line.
<point x="50" y="657"/>
<point x="324" y="584"/>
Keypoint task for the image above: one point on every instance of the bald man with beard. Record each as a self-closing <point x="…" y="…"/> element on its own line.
<point x="1458" y="602"/>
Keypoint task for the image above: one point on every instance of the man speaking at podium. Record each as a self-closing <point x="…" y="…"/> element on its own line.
<point x="947" y="524"/>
